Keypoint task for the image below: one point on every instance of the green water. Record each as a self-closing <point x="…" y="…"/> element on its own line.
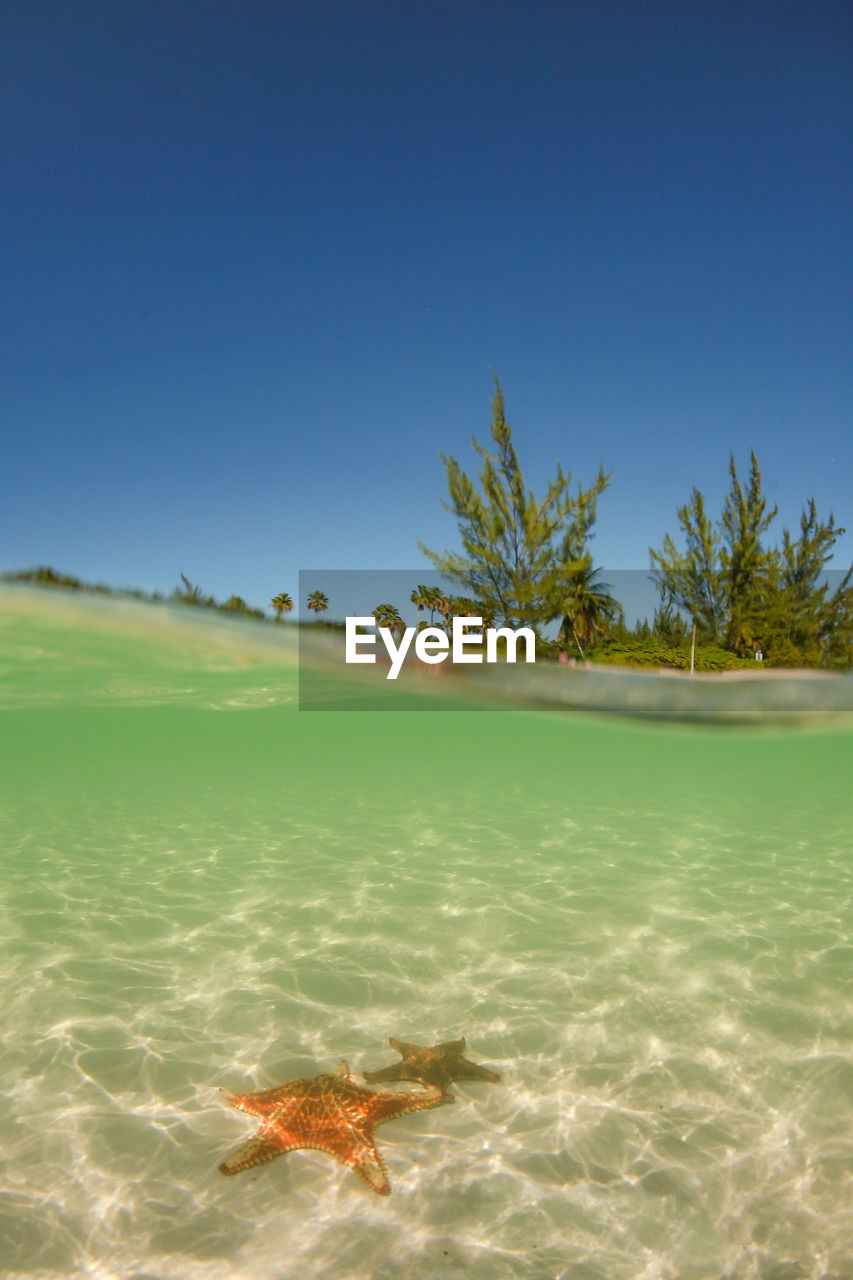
<point x="646" y="929"/>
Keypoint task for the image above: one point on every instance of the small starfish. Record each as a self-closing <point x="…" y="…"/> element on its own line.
<point x="436" y="1065"/>
<point x="325" y="1113"/>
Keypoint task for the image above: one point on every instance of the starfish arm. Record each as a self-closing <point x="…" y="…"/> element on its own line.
<point x="256" y="1151"/>
<point x="261" y="1102"/>
<point x="366" y="1161"/>
<point x="350" y="1143"/>
<point x="465" y="1070"/>
<point x="387" y="1106"/>
<point x="397" y="1072"/>
<point x="266" y="1102"/>
<point x="402" y="1047"/>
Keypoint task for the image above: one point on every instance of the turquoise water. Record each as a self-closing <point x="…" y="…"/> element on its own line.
<point x="645" y="928"/>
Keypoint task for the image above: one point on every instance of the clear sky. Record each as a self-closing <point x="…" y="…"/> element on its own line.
<point x="260" y="259"/>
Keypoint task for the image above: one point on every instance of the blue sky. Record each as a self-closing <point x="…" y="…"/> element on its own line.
<point x="260" y="260"/>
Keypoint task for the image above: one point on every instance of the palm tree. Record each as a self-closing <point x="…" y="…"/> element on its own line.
<point x="588" y="608"/>
<point x="281" y="603"/>
<point x="318" y="602"/>
<point x="421" y="597"/>
<point x="432" y="597"/>
<point x="444" y="605"/>
<point x="387" y="615"/>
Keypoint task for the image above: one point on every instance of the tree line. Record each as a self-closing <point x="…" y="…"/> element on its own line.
<point x="526" y="561"/>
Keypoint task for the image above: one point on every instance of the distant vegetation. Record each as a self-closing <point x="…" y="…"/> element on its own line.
<point x="281" y="604"/>
<point x="527" y="562"/>
<point x="46" y="577"/>
<point x="186" y="593"/>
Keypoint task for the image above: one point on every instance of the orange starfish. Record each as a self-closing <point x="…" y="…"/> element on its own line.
<point x="325" y="1113"/>
<point x="436" y="1065"/>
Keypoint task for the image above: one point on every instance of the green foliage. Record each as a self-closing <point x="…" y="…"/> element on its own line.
<point x="588" y="608"/>
<point x="723" y="578"/>
<point x="782" y="652"/>
<point x="281" y="604"/>
<point x="318" y="601"/>
<point x="518" y="551"/>
<point x="387" y="615"/>
<point x="747" y="596"/>
<point x="668" y="626"/>
<point x="420" y="597"/>
<point x="44" y="576"/>
<point x="746" y="568"/>
<point x="187" y="593"/>
<point x="654" y="654"/>
<point x="806" y="625"/>
<point x="433" y="600"/>
<point x="689" y="580"/>
<point x="236" y="604"/>
<point x="465" y="607"/>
